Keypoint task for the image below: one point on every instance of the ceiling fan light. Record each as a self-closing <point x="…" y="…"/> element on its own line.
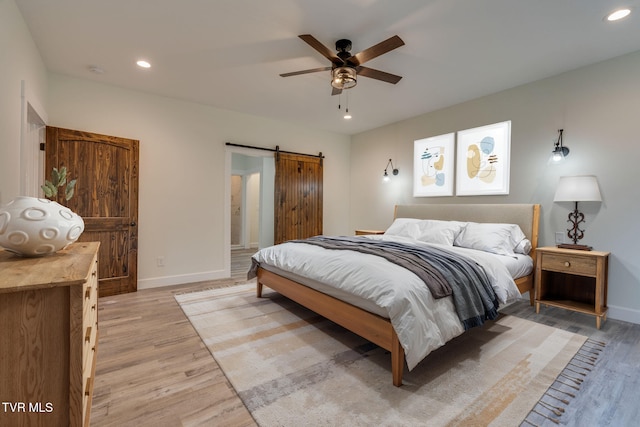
<point x="343" y="77"/>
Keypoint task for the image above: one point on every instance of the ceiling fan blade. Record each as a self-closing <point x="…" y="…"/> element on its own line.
<point x="322" y="49"/>
<point x="378" y="75"/>
<point x="376" y="50"/>
<point x="335" y="91"/>
<point x="313" y="70"/>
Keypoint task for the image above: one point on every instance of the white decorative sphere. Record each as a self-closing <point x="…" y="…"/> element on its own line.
<point x="30" y="226"/>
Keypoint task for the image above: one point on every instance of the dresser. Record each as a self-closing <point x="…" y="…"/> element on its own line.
<point x="48" y="336"/>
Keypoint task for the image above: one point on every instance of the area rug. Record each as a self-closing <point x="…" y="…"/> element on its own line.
<point x="292" y="367"/>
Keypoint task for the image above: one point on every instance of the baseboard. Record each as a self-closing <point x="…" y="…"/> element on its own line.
<point x="254" y="245"/>
<point x="158" y="282"/>
<point x="624" y="314"/>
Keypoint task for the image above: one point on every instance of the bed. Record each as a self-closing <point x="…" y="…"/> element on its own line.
<point x="395" y="325"/>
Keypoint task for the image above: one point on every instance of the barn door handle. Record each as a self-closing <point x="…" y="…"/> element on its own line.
<point x="133" y="223"/>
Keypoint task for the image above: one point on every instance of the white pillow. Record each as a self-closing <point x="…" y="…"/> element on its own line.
<point x="404" y="227"/>
<point x="524" y="247"/>
<point x="501" y="239"/>
<point x="426" y="230"/>
<point x="440" y="232"/>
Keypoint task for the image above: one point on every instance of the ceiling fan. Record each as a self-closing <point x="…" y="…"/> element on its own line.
<point x="346" y="67"/>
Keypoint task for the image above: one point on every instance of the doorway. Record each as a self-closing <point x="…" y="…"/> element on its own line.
<point x="245" y="210"/>
<point x="249" y="206"/>
<point x="32" y="136"/>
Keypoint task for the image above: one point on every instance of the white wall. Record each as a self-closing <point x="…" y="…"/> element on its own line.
<point x="253" y="208"/>
<point x="182" y="218"/>
<point x="19" y="61"/>
<point x="267" y="203"/>
<point x="597" y="106"/>
<point x="182" y="169"/>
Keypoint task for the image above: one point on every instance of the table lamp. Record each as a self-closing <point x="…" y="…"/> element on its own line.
<point x="576" y="189"/>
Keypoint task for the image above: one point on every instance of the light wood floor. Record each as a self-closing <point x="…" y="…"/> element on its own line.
<point x="153" y="369"/>
<point x="609" y="394"/>
<point x="240" y="262"/>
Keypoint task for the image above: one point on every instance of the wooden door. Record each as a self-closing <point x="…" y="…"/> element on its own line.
<point x="298" y="197"/>
<point x="106" y="197"/>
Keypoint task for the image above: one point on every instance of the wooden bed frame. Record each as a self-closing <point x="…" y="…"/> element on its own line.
<point x="378" y="329"/>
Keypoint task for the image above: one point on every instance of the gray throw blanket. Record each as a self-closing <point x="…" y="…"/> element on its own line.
<point x="444" y="273"/>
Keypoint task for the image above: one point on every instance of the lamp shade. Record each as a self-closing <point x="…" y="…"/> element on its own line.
<point x="582" y="188"/>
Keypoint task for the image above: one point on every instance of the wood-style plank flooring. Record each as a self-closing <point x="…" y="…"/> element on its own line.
<point x="240" y="262"/>
<point x="153" y="369"/>
<point x="609" y="394"/>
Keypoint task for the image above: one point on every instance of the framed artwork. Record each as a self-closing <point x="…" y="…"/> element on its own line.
<point x="433" y="166"/>
<point x="483" y="160"/>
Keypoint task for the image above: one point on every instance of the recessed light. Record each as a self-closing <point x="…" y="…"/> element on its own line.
<point x="617" y="15"/>
<point x="143" y="64"/>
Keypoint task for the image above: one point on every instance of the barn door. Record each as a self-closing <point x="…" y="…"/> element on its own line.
<point x="106" y="197"/>
<point x="298" y="197"/>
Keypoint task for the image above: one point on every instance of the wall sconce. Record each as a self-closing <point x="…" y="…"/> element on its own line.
<point x="394" y="171"/>
<point x="577" y="189"/>
<point x="559" y="151"/>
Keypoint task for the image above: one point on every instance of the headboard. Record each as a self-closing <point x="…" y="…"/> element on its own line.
<point x="527" y="216"/>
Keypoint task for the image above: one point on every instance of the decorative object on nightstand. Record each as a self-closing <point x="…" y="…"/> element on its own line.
<point x="366" y="232"/>
<point x="577" y="189"/>
<point x="572" y="279"/>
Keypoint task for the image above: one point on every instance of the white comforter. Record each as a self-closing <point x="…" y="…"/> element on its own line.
<point x="372" y="283"/>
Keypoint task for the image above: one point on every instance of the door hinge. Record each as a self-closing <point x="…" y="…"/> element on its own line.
<point x="42" y="146"/>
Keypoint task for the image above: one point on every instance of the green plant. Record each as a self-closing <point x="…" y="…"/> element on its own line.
<point x="59" y="179"/>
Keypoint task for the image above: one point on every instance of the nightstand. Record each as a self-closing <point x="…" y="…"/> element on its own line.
<point x="572" y="279"/>
<point x="365" y="232"/>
